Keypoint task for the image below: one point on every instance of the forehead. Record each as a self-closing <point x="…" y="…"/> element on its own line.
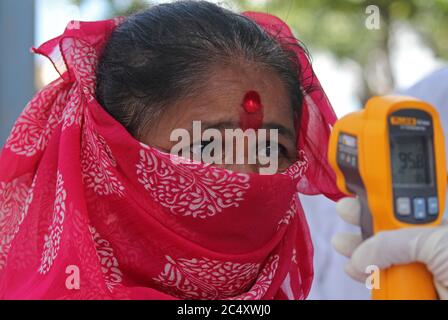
<point x="222" y="95"/>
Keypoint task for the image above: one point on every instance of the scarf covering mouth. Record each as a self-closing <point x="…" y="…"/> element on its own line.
<point x="89" y="212"/>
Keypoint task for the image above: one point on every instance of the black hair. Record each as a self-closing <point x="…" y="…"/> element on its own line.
<point x="165" y="53"/>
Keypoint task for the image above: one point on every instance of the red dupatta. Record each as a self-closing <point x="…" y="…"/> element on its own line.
<point x="81" y="199"/>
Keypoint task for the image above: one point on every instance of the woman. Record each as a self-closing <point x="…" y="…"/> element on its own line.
<point x="90" y="192"/>
<point x="93" y="204"/>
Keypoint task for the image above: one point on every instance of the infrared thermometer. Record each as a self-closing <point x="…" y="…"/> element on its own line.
<point x="391" y="155"/>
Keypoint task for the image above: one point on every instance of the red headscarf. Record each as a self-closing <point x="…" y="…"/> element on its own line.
<point x="81" y="199"/>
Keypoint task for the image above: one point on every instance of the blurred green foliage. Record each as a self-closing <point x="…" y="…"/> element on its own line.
<point x="338" y="26"/>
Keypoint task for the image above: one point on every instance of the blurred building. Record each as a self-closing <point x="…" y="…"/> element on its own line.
<point x="16" y="61"/>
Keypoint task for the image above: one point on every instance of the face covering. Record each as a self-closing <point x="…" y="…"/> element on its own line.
<point x="89" y="212"/>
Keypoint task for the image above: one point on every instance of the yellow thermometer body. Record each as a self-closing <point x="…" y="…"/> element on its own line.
<point x="392" y="156"/>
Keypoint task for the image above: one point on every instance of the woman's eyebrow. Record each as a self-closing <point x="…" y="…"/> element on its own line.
<point x="222" y="125"/>
<point x="282" y="130"/>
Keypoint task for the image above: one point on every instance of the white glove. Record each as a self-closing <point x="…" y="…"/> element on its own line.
<point x="428" y="245"/>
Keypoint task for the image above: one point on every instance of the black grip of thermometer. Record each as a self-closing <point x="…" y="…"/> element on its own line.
<point x="366" y="216"/>
<point x="348" y="161"/>
<point x="365" y="219"/>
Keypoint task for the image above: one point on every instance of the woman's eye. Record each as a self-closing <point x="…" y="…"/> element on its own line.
<point x="198" y="148"/>
<point x="272" y="150"/>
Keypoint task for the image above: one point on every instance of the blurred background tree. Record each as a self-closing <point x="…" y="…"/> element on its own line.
<point x="338" y="27"/>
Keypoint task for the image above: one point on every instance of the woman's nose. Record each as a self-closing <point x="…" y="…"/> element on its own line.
<point x="243" y="168"/>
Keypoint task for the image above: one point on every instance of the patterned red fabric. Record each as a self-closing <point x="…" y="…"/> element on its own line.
<point x="79" y="196"/>
<point x="317" y="117"/>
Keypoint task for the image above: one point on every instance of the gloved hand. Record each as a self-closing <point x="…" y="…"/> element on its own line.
<point x="428" y="245"/>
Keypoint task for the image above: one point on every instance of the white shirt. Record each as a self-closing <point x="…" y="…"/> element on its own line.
<point x="330" y="280"/>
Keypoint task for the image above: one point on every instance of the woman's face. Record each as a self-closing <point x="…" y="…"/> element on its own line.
<point x="219" y="107"/>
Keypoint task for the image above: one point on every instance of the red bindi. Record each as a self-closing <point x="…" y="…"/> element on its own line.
<point x="251" y="117"/>
<point x="252" y="102"/>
